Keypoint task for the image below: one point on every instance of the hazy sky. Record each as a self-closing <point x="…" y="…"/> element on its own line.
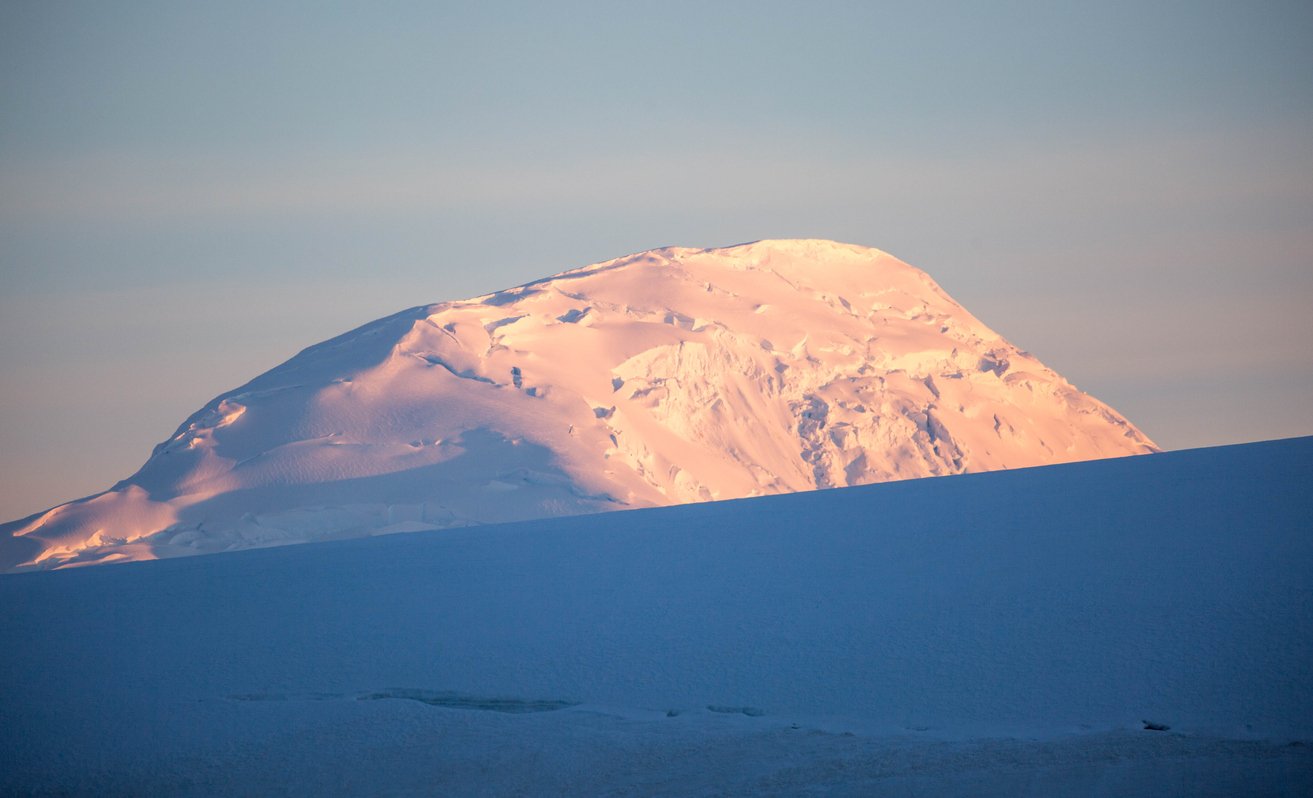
<point x="192" y="192"/>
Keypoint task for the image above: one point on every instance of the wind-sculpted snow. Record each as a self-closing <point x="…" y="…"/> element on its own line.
<point x="671" y="376"/>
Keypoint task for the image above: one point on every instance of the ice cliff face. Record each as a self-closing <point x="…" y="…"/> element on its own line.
<point x="676" y="375"/>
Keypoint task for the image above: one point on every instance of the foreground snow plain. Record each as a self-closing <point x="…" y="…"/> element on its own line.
<point x="1007" y="633"/>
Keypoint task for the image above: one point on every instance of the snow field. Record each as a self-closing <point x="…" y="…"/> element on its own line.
<point x="1003" y="633"/>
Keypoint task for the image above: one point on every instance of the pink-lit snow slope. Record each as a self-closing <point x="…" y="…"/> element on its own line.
<point x="671" y="376"/>
<point x="1009" y="633"/>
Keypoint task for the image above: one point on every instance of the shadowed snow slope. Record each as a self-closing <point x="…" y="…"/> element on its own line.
<point x="672" y="376"/>
<point x="988" y="634"/>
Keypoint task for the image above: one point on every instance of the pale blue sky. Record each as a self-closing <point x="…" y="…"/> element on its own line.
<point x="190" y="193"/>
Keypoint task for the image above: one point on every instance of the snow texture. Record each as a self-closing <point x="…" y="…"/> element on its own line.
<point x="667" y="377"/>
<point x="1132" y="626"/>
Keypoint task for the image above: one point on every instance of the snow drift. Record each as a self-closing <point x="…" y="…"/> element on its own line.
<point x="1133" y="626"/>
<point x="671" y="376"/>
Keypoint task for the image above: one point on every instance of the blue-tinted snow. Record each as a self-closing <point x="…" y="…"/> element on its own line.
<point x="996" y="633"/>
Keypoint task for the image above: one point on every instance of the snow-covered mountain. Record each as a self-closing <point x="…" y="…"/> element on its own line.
<point x="671" y="376"/>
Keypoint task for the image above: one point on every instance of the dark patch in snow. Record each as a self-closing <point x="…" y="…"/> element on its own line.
<point x="677" y="319"/>
<point x="815" y="410"/>
<point x="573" y="315"/>
<point x="454" y="700"/>
<point x="996" y="360"/>
<point x="436" y="698"/>
<point x="751" y="712"/>
<point x="812" y="413"/>
<point x="503" y="322"/>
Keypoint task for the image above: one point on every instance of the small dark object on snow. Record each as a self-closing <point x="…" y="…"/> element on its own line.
<point x="1155" y="726"/>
